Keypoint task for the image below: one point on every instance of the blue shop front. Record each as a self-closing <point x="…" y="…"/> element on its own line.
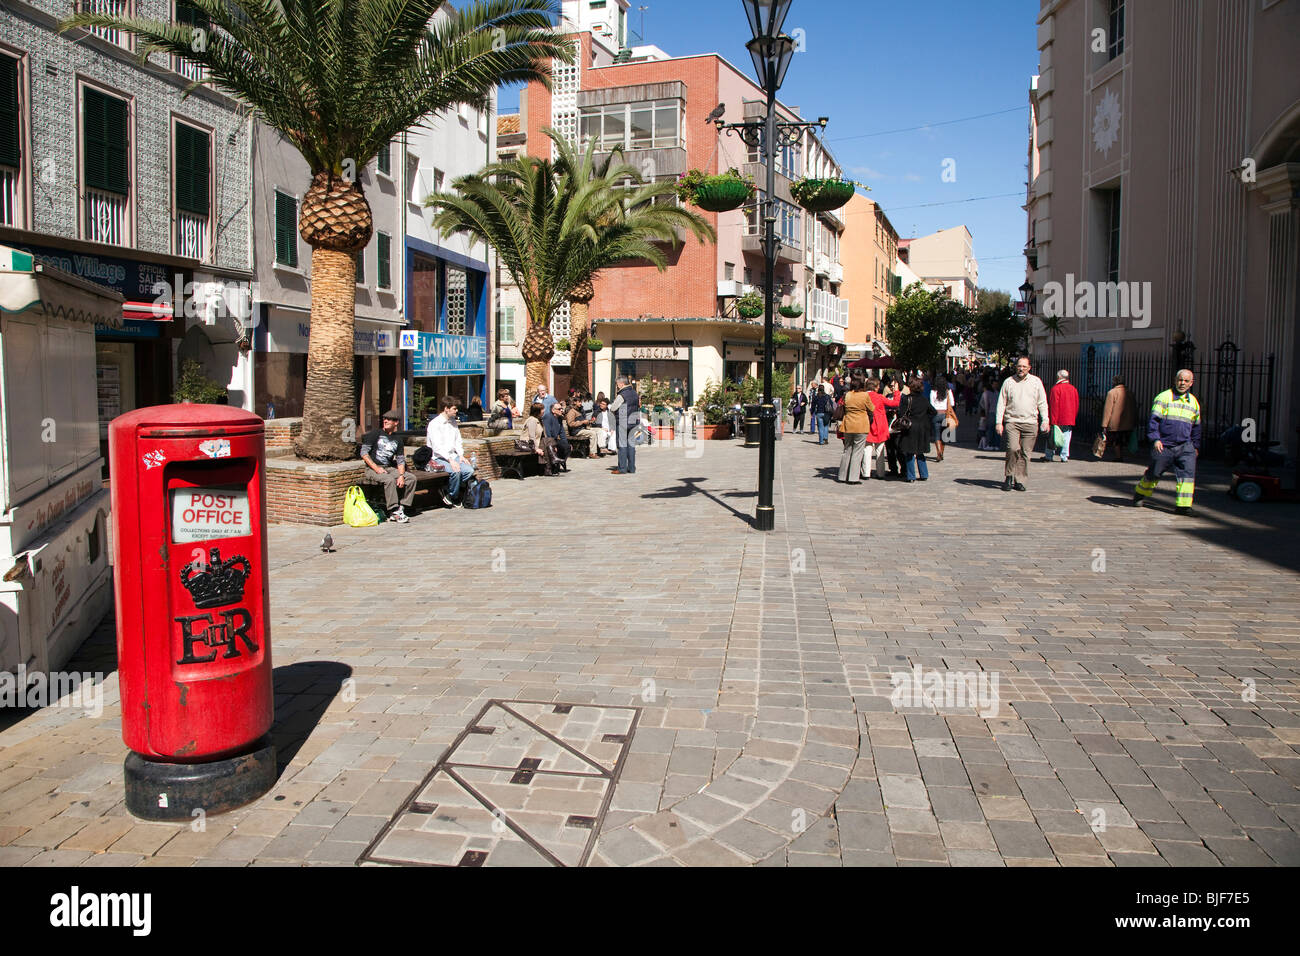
<point x="447" y="306"/>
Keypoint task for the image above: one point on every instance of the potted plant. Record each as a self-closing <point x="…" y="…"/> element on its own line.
<point x="822" y="195"/>
<point x="561" y="345"/>
<point x="714" y="406"/>
<point x="594" y="345"/>
<point x="193" y="387"/>
<point x="750" y="305"/>
<point x="720" y="193"/>
<point x="779" y="339"/>
<point x="791" y="311"/>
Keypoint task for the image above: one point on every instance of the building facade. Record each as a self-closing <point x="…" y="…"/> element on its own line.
<point x="871" y="278"/>
<point x="946" y="259"/>
<point x="108" y="173"/>
<point x="1164" y="206"/>
<point x="681" y="326"/>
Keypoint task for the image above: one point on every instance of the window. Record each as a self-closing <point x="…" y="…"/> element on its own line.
<point x="189" y="15"/>
<point x="1115" y="29"/>
<point x="106" y="167"/>
<point x="286" y="230"/>
<point x="361" y="266"/>
<point x="384" y="160"/>
<point x="11" y="141"/>
<point x="1112" y="235"/>
<point x="506" y="325"/>
<point x="729" y="270"/>
<point x="384" y="270"/>
<point x="191" y="189"/>
<point x="438" y="179"/>
<point x="632" y="125"/>
<point x="457" y="299"/>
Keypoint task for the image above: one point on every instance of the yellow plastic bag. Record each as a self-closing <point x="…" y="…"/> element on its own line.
<point x="357" y="512"/>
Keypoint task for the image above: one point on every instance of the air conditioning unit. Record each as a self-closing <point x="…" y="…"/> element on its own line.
<point x="729" y="288"/>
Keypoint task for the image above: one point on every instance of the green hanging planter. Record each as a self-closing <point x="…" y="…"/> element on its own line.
<point x="822" y="195"/>
<point x="750" y="306"/>
<point x="791" y="311"/>
<point x="722" y="194"/>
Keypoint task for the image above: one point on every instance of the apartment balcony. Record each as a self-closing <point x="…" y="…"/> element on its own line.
<point x="822" y="264"/>
<point x="788" y="251"/>
<point x="106" y="217"/>
<point x="827" y="310"/>
<point x="192" y="236"/>
<point x="112" y="8"/>
<point x="189" y="69"/>
<point x="9" y="196"/>
<point x="836" y="273"/>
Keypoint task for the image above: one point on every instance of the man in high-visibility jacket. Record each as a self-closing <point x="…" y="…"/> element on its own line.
<point x="1175" y="434"/>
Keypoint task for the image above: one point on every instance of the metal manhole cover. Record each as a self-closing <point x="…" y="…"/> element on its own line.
<point x="526" y="783"/>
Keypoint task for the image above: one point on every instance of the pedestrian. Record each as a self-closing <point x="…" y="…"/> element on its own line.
<point x="879" y="434"/>
<point x="855" y="425"/>
<point x="941" y="399"/>
<point x="798" y="408"/>
<point x="822" y="405"/>
<point x="893" y="399"/>
<point x="626" y="408"/>
<point x="1119" y="417"/>
<point x="1063" y="412"/>
<point x="1021" y="415"/>
<point x="913" y="425"/>
<point x="1175" y="434"/>
<point x="988" y="407"/>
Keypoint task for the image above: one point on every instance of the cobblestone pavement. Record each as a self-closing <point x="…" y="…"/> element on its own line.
<point x="936" y="674"/>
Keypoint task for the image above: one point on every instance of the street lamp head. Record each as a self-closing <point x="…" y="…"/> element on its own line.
<point x="822" y="121"/>
<point x="771" y="56"/>
<point x="766" y="17"/>
<point x="1026" y="291"/>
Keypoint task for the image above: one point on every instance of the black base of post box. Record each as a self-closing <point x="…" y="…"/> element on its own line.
<point x="174" y="791"/>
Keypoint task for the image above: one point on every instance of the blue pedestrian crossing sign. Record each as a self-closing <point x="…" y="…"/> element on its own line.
<point x="408" y="339"/>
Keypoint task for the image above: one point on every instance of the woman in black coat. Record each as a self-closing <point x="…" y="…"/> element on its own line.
<point x="915" y="442"/>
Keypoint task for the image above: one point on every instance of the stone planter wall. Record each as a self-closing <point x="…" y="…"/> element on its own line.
<point x="304" y="492"/>
<point x="280" y="434"/>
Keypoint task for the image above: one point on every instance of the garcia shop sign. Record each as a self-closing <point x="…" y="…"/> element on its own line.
<point x="439" y="354"/>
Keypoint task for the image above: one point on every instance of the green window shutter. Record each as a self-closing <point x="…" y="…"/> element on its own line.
<point x="10" y="138"/>
<point x="106" y="150"/>
<point x="192" y="170"/>
<point x="286" y="230"/>
<point x="385" y="279"/>
<point x="361" y="266"/>
<point x="384" y="160"/>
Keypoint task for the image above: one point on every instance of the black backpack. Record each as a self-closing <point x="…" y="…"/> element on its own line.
<point x="478" y="494"/>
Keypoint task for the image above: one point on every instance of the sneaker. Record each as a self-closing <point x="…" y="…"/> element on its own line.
<point x="1138" y="501"/>
<point x="1183" y="510"/>
<point x="446" y="500"/>
<point x="399" y="516"/>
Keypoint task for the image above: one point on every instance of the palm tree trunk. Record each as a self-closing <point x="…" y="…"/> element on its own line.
<point x="329" y="406"/>
<point x="578" y="343"/>
<point x="535" y="374"/>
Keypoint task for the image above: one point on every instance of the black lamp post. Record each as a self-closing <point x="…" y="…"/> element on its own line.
<point x="770" y="50"/>
<point x="1026" y="295"/>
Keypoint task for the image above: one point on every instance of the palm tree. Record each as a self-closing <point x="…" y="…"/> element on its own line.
<point x="557" y="223"/>
<point x="339" y="79"/>
<point x="1052" y="324"/>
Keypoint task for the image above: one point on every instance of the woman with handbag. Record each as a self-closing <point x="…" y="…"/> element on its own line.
<point x="535" y="440"/>
<point x="941" y="403"/>
<point x="913" y="425"/>
<point x="855" y="422"/>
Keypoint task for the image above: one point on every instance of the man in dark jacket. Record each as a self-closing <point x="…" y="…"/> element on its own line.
<point x="553" y="427"/>
<point x="822" y="404"/>
<point x="626" y="409"/>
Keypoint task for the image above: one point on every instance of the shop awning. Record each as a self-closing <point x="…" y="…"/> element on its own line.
<point x="29" y="285"/>
<point x="146" y="312"/>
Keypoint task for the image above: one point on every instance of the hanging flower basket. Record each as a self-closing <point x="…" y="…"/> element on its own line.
<point x="594" y="345"/>
<point x="822" y="195"/>
<point x="750" y="306"/>
<point x="721" y="193"/>
<point x="792" y="311"/>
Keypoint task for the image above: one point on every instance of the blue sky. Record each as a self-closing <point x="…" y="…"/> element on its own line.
<point x="875" y="67"/>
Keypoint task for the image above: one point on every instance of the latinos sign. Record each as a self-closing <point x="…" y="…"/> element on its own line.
<point x="199" y="514"/>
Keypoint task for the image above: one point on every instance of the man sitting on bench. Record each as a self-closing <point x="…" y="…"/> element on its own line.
<point x="582" y="427"/>
<point x="381" y="450"/>
<point x="445" y="443"/>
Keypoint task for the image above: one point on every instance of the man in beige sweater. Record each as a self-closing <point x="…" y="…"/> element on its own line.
<point x="1022" y="414"/>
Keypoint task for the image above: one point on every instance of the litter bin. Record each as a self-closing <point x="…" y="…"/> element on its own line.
<point x="753" y="428"/>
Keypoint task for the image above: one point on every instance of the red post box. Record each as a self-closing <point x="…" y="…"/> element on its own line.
<point x="190" y="579"/>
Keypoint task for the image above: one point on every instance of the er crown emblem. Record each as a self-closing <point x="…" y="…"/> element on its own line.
<point x="216" y="583"/>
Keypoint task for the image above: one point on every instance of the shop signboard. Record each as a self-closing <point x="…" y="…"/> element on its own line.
<point x="437" y="354"/>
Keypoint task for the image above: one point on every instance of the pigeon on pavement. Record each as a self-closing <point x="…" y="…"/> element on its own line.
<point x="327" y="543"/>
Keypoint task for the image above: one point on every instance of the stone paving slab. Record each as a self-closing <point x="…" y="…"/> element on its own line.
<point x="934" y="674"/>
